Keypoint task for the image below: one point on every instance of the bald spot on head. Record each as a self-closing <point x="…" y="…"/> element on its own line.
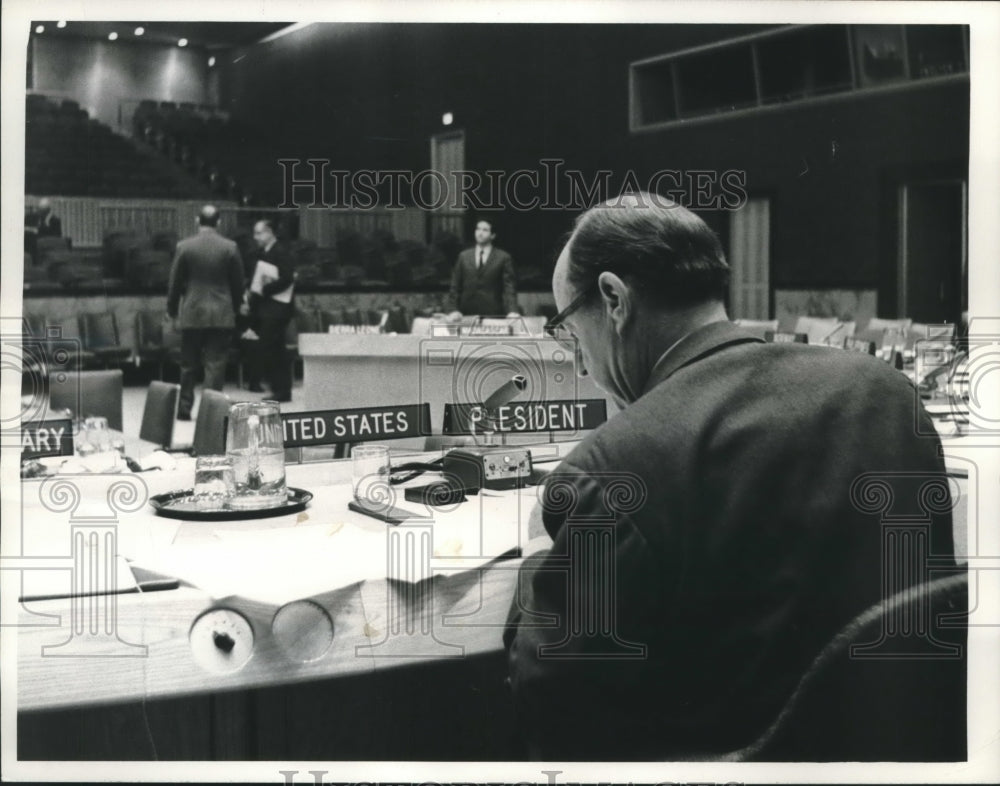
<point x="209" y="216"/>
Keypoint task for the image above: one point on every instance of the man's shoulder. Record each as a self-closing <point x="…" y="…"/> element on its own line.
<point x="673" y="415"/>
<point x="501" y="255"/>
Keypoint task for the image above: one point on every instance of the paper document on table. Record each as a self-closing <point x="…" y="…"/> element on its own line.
<point x="265" y="273"/>
<point x="275" y="565"/>
<point x="282" y="564"/>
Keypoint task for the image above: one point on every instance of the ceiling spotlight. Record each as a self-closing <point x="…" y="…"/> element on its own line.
<point x="40" y="29"/>
<point x="182" y="42"/>
<point x="140" y="30"/>
<point x="112" y="36"/>
<point x="211" y="61"/>
<point x="447" y="118"/>
<point x="60" y="25"/>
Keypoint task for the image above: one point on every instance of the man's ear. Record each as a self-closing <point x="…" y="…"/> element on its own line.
<point x="618" y="300"/>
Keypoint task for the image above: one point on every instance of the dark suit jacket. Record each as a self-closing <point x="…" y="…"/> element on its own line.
<point x="264" y="306"/>
<point x="206" y="281"/>
<point x="490" y="291"/>
<point x="737" y="554"/>
<point x="49" y="226"/>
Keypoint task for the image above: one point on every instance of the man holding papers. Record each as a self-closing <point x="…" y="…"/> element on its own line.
<point x="271" y="293"/>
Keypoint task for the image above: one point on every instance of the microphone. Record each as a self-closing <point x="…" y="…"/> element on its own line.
<point x="506" y="393"/>
<point x="500" y="397"/>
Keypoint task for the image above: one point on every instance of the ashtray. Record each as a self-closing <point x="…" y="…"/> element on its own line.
<point x="182" y="505"/>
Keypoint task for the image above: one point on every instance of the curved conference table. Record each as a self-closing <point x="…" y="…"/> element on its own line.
<point x="369" y="641"/>
<point x="329" y="635"/>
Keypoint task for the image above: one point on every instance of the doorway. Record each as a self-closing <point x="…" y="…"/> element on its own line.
<point x="932" y="267"/>
<point x="448" y="209"/>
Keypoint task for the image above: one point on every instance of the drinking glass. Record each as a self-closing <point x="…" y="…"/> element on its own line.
<point x="255" y="446"/>
<point x="214" y="482"/>
<point x="370" y="475"/>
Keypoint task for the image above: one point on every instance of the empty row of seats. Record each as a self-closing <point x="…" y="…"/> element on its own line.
<point x="230" y="158"/>
<point x="70" y="154"/>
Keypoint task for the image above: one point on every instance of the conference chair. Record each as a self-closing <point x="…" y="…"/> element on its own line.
<point x="33" y="358"/>
<point x="64" y="345"/>
<point x="88" y="394"/>
<point x="399" y="320"/>
<point x="149" y="339"/>
<point x="305" y="321"/>
<point x="758" y="326"/>
<point x="210" y="426"/>
<point x="159" y="413"/>
<point x="906" y="702"/>
<point x="100" y="336"/>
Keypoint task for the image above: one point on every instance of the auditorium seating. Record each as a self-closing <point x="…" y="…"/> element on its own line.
<point x="231" y="160"/>
<point x="100" y="336"/>
<point x="68" y="153"/>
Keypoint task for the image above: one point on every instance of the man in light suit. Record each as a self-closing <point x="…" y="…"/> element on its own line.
<point x="204" y="295"/>
<point x="736" y="549"/>
<point x="483" y="281"/>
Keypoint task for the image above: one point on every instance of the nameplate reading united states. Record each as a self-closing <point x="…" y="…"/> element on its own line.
<point x="337" y="426"/>
<point x="526" y="417"/>
<point x="47" y="438"/>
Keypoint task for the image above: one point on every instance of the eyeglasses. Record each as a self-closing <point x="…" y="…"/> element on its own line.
<point x="555" y="329"/>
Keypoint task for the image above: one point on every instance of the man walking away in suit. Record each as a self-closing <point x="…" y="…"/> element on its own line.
<point x="483" y="281"/>
<point x="205" y="292"/>
<point x="272" y="304"/>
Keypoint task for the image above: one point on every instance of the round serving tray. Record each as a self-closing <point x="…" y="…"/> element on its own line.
<point x="179" y="505"/>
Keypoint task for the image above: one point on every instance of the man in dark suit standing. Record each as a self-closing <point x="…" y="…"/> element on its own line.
<point x="483" y="281"/>
<point x="204" y="295"/>
<point x="42" y="223"/>
<point x="734" y="546"/>
<point x="271" y="307"/>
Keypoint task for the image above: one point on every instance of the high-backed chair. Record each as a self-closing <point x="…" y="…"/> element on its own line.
<point x="158" y="414"/>
<point x="100" y="336"/>
<point x="149" y="339"/>
<point x="307" y="321"/>
<point x="65" y="346"/>
<point x="210" y="427"/>
<point x="906" y="702"/>
<point x="88" y="393"/>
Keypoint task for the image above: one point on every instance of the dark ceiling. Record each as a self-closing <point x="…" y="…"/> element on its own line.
<point x="204" y="35"/>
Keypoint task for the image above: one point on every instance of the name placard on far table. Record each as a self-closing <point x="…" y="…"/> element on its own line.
<point x="781" y="337"/>
<point x="337" y="426"/>
<point x="526" y="417"/>
<point x="859" y="345"/>
<point x="47" y="438"/>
